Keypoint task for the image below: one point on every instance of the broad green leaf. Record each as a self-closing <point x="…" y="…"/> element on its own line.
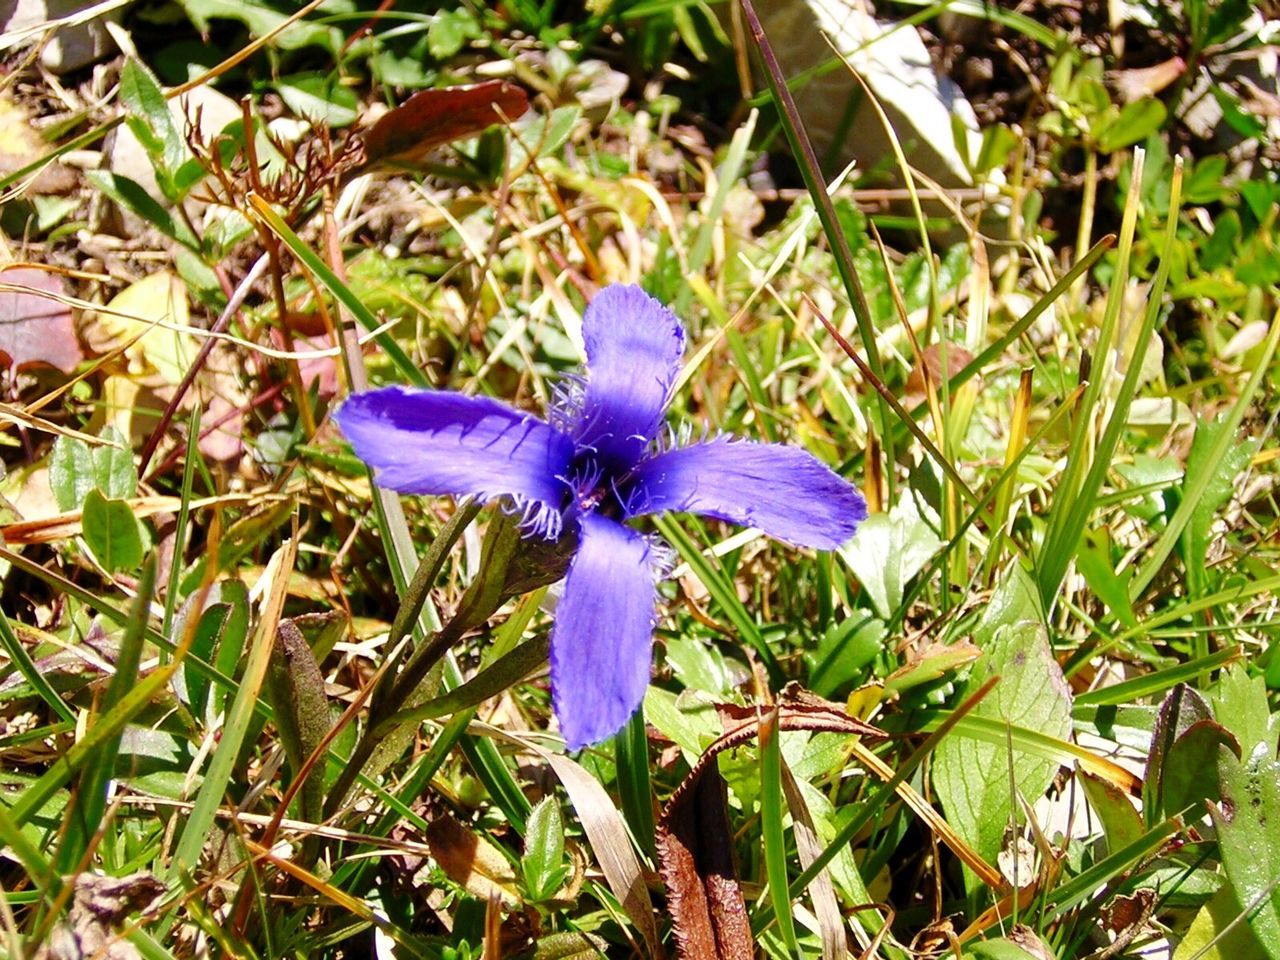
<point x="320" y="98"/>
<point x="260" y="18"/>
<point x="1135" y="122"/>
<point x="1215" y="933"/>
<point x="111" y="531"/>
<point x="1249" y="808"/>
<point x="887" y="551"/>
<point x="150" y="117"/>
<point x="113" y="470"/>
<point x="71" y="474"/>
<point x="1188" y="773"/>
<point x="699" y="664"/>
<point x="1002" y="949"/>
<point x="543" y="865"/>
<point x="449" y="32"/>
<point x="843" y="653"/>
<point x="976" y="780"/>
<point x="1240" y="703"/>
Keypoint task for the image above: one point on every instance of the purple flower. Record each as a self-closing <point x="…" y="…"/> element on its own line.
<point x="597" y="464"/>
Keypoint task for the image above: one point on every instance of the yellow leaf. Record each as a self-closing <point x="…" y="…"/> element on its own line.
<point x="154" y="313"/>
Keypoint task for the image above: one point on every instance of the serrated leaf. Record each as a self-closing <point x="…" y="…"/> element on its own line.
<point x="111" y="532"/>
<point x="71" y="475"/>
<point x="975" y="780"/>
<point x="1246" y="817"/>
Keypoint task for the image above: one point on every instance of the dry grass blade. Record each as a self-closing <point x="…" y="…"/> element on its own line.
<point x="925" y="811"/>
<point x="808" y="845"/>
<point x="606" y="830"/>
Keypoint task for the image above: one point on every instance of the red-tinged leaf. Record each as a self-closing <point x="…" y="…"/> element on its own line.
<point x="695" y="840"/>
<point x="35" y="330"/>
<point x="431" y="118"/>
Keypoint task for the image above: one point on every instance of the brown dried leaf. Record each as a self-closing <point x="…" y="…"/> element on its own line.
<point x="35" y="330"/>
<point x="98" y="908"/>
<point x="957" y="359"/>
<point x="695" y="841"/>
<point x="470" y="860"/>
<point x="430" y="118"/>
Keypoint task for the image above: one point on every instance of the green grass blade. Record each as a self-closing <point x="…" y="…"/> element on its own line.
<point x="19" y="657"/>
<point x="344" y="294"/>
<point x="772" y="805"/>
<point x="721" y="589"/>
<point x="184" y="515"/>
<point x="89" y="802"/>
<point x="1158" y="682"/>
<point x="634" y="786"/>
<point x="1071" y="503"/>
<point x="195" y="833"/>
<point x="807" y="160"/>
<point x="1197" y="485"/>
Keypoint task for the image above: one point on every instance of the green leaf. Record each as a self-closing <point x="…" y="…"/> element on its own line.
<point x="1121" y="824"/>
<point x="111" y="531"/>
<point x="771" y="826"/>
<point x="320" y="98"/>
<point x="1094" y="562"/>
<point x="544" y="136"/>
<point x="113" y="470"/>
<point x="975" y="780"/>
<point x="261" y="19"/>
<point x="449" y="32"/>
<point x="1240" y="701"/>
<point x="1134" y="123"/>
<point x="1246" y="819"/>
<point x="71" y="474"/>
<point x="543" y="865"/>
<point x="1215" y="933"/>
<point x="887" y="551"/>
<point x="150" y="118"/>
<point x="129" y="193"/>
<point x="1219" y="487"/>
<point x="300" y="707"/>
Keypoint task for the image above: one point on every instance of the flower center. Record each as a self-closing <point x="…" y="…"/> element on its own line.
<point x="595" y="487"/>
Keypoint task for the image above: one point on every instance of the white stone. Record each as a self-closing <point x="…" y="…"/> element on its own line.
<point x="80" y="40"/>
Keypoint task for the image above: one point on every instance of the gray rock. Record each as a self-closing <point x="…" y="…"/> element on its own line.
<point x="74" y="44"/>
<point x="920" y="104"/>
